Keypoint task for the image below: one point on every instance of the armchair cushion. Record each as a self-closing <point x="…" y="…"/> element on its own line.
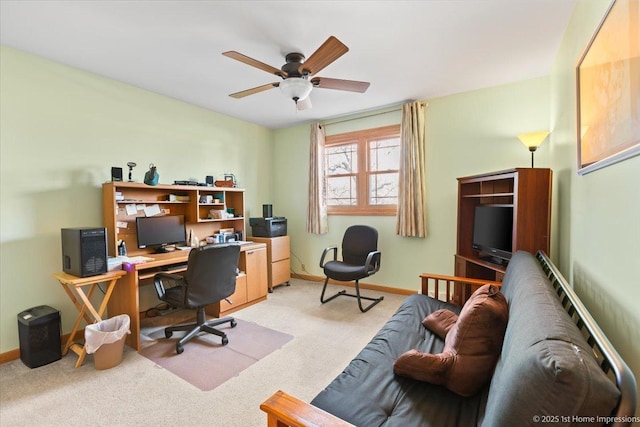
<point x="345" y="272"/>
<point x="471" y="350"/>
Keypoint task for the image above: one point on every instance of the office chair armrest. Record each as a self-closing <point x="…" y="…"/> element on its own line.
<point x="324" y="253"/>
<point x="159" y="277"/>
<point x="373" y="260"/>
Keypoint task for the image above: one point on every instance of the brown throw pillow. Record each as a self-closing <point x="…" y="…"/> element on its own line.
<point x="471" y="348"/>
<point x="440" y="321"/>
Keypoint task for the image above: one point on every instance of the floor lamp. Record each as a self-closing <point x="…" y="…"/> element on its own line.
<point x="533" y="140"/>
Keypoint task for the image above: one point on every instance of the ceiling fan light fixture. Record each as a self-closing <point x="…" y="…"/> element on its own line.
<point x="296" y="88"/>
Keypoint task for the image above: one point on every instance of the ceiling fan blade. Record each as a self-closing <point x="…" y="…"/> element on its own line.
<point x="330" y="50"/>
<point x="339" y="84"/>
<point x="255" y="63"/>
<point x="304" y="104"/>
<point x="258" y="89"/>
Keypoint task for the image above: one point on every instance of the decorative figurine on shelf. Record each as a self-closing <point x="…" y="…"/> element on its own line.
<point x="151" y="177"/>
<point x="131" y="166"/>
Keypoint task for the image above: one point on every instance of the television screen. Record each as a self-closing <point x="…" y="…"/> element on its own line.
<point x="492" y="231"/>
<point x="160" y="231"/>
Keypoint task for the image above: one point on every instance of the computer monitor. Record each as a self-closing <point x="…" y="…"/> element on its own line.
<point x="159" y="231"/>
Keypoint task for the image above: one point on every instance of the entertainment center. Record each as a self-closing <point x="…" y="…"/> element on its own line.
<point x="200" y="211"/>
<point x="526" y="194"/>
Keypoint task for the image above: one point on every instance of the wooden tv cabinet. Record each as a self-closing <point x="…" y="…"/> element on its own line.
<point x="528" y="191"/>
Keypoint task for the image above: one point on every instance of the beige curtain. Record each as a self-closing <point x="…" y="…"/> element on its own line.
<point x="410" y="220"/>
<point x="317" y="203"/>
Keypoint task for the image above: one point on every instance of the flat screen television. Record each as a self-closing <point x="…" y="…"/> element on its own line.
<point x="492" y="232"/>
<point x="159" y="231"/>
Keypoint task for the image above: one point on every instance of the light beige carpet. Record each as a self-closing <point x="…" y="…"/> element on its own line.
<point x="205" y="362"/>
<point x="138" y="392"/>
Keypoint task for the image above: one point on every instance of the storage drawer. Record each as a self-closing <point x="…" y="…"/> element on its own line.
<point x="280" y="272"/>
<point x="280" y="248"/>
<point x="239" y="296"/>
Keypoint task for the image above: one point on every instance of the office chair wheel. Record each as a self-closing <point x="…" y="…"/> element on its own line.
<point x="234" y="323"/>
<point x="168" y="334"/>
<point x="225" y="340"/>
<point x="179" y="349"/>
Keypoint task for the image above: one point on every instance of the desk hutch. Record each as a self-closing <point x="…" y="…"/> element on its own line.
<point x="193" y="203"/>
<point x="528" y="190"/>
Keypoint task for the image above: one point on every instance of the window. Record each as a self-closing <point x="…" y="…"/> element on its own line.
<point x="362" y="171"/>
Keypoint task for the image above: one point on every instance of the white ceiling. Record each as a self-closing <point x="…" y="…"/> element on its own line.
<point x="406" y="49"/>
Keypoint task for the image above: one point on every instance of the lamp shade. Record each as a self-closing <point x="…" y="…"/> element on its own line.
<point x="533" y="140"/>
<point x="296" y="88"/>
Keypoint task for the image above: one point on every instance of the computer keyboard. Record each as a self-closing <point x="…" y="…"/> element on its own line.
<point x="173" y="267"/>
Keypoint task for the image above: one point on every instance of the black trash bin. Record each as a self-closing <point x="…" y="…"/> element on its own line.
<point x="39" y="334"/>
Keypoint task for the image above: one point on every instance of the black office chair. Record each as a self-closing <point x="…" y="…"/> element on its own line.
<point x="210" y="278"/>
<point x="360" y="259"/>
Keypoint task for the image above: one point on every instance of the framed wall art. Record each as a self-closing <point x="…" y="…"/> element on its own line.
<point x="608" y="90"/>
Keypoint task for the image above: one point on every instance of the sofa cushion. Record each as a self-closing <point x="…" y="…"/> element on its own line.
<point x="545" y="351"/>
<point x="471" y="349"/>
<point x="367" y="393"/>
<point x="440" y="321"/>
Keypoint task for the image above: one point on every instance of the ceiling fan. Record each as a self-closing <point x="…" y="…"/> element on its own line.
<point x="296" y="74"/>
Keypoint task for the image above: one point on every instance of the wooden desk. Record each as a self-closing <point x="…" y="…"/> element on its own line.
<point x="251" y="285"/>
<point x="73" y="285"/>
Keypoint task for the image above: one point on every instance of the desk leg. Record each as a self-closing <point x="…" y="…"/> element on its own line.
<point x="107" y="296"/>
<point x="81" y="351"/>
<point x="67" y="289"/>
<point x="82" y="314"/>
<point x="72" y="335"/>
<point x="87" y="303"/>
<point x="125" y="300"/>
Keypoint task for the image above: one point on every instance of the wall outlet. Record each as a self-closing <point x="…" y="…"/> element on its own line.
<point x="304" y="268"/>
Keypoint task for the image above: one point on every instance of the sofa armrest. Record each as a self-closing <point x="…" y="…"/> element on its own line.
<point x="285" y="410"/>
<point x="435" y="280"/>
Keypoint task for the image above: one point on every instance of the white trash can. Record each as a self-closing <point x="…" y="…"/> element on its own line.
<point x="105" y="340"/>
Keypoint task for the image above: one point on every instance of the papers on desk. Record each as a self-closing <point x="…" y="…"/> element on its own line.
<point x="138" y="259"/>
<point x="115" y="263"/>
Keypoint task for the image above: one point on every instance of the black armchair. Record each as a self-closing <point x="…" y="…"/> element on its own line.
<point x="360" y="259"/>
<point x="210" y="277"/>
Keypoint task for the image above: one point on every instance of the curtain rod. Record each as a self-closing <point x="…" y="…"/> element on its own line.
<point x="328" y="123"/>
<point x="392" y="110"/>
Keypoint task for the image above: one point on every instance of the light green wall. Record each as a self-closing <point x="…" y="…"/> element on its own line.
<point x="468" y="133"/>
<point x="599" y="224"/>
<point x="61" y="130"/>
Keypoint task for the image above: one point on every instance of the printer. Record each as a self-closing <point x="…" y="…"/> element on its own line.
<point x="268" y="227"/>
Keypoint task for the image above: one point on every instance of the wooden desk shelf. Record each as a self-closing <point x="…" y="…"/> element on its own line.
<point x="196" y="214"/>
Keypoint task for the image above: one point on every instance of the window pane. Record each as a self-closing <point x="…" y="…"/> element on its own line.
<point x="342" y="159"/>
<point x="383" y="189"/>
<point x="384" y="154"/>
<point x="341" y="191"/>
